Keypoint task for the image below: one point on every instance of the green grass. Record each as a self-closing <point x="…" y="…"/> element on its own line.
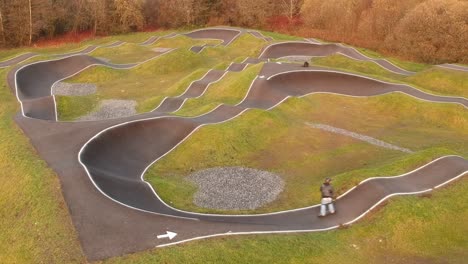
<point x="183" y="42"/>
<point x="136" y="37"/>
<point x="34" y="223"/>
<point x="410" y="66"/>
<point x="229" y="90"/>
<point x="174" y="90"/>
<point x="407" y="65"/>
<point x="127" y="53"/>
<point x="253" y="140"/>
<point x="434" y="80"/>
<point x="279" y="36"/>
<point x="244" y="46"/>
<point x="362" y="67"/>
<point x="442" y="81"/>
<point x="77" y="106"/>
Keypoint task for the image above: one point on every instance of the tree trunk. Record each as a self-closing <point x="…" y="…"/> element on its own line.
<point x="77" y="17"/>
<point x="30" y="23"/>
<point x="289" y="6"/>
<point x="95" y="18"/>
<point x="291" y="9"/>
<point x="2" y="28"/>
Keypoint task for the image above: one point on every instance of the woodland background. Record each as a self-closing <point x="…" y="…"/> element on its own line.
<point x="431" y="31"/>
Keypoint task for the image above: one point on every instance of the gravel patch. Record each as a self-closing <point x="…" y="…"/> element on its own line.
<point x="235" y="188"/>
<point x="73" y="89"/>
<point x="365" y="138"/>
<point x="112" y="109"/>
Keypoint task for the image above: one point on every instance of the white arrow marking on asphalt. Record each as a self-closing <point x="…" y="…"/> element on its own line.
<point x="168" y="234"/>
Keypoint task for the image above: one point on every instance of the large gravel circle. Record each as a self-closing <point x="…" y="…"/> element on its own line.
<point x="235" y="188"/>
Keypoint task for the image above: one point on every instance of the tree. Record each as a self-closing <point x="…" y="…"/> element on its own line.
<point x="15" y="19"/>
<point x="253" y="13"/>
<point x="129" y="15"/>
<point x="102" y="12"/>
<point x="151" y="12"/>
<point x="434" y="31"/>
<point x="387" y="14"/>
<point x="177" y="13"/>
<point x="291" y="7"/>
<point x="39" y="14"/>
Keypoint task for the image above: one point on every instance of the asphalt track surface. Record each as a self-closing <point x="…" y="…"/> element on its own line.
<point x="101" y="163"/>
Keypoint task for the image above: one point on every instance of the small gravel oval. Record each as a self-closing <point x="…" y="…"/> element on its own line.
<point x="235" y="188"/>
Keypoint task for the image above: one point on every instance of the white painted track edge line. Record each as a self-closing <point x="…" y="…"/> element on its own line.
<point x="151" y="187"/>
<point x="185" y="91"/>
<point x="16" y="56"/>
<point x="123" y="204"/>
<point x="246" y="233"/>
<point x="374" y="60"/>
<point x="307" y="230"/>
<point x="204" y="91"/>
<point x="364" y="77"/>
<point x="28" y="58"/>
<point x="188" y="87"/>
<point x="187" y="212"/>
<point x="445" y="66"/>
<point x="103" y="64"/>
<point x="267" y="110"/>
<point x="101" y="131"/>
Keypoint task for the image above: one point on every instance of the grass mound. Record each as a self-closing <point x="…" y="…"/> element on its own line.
<point x="229" y="90"/>
<point x="255" y="138"/>
<point x="126" y="53"/>
<point x="150" y="82"/>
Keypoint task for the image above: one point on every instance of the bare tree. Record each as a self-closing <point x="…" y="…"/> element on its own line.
<point x="291" y="7"/>
<point x="30" y="23"/>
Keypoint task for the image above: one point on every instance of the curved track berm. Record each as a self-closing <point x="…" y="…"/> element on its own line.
<point x="314" y="48"/>
<point x="285" y="49"/>
<point x="101" y="163"/>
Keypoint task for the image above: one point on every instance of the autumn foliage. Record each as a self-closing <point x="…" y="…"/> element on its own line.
<point x="432" y="31"/>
